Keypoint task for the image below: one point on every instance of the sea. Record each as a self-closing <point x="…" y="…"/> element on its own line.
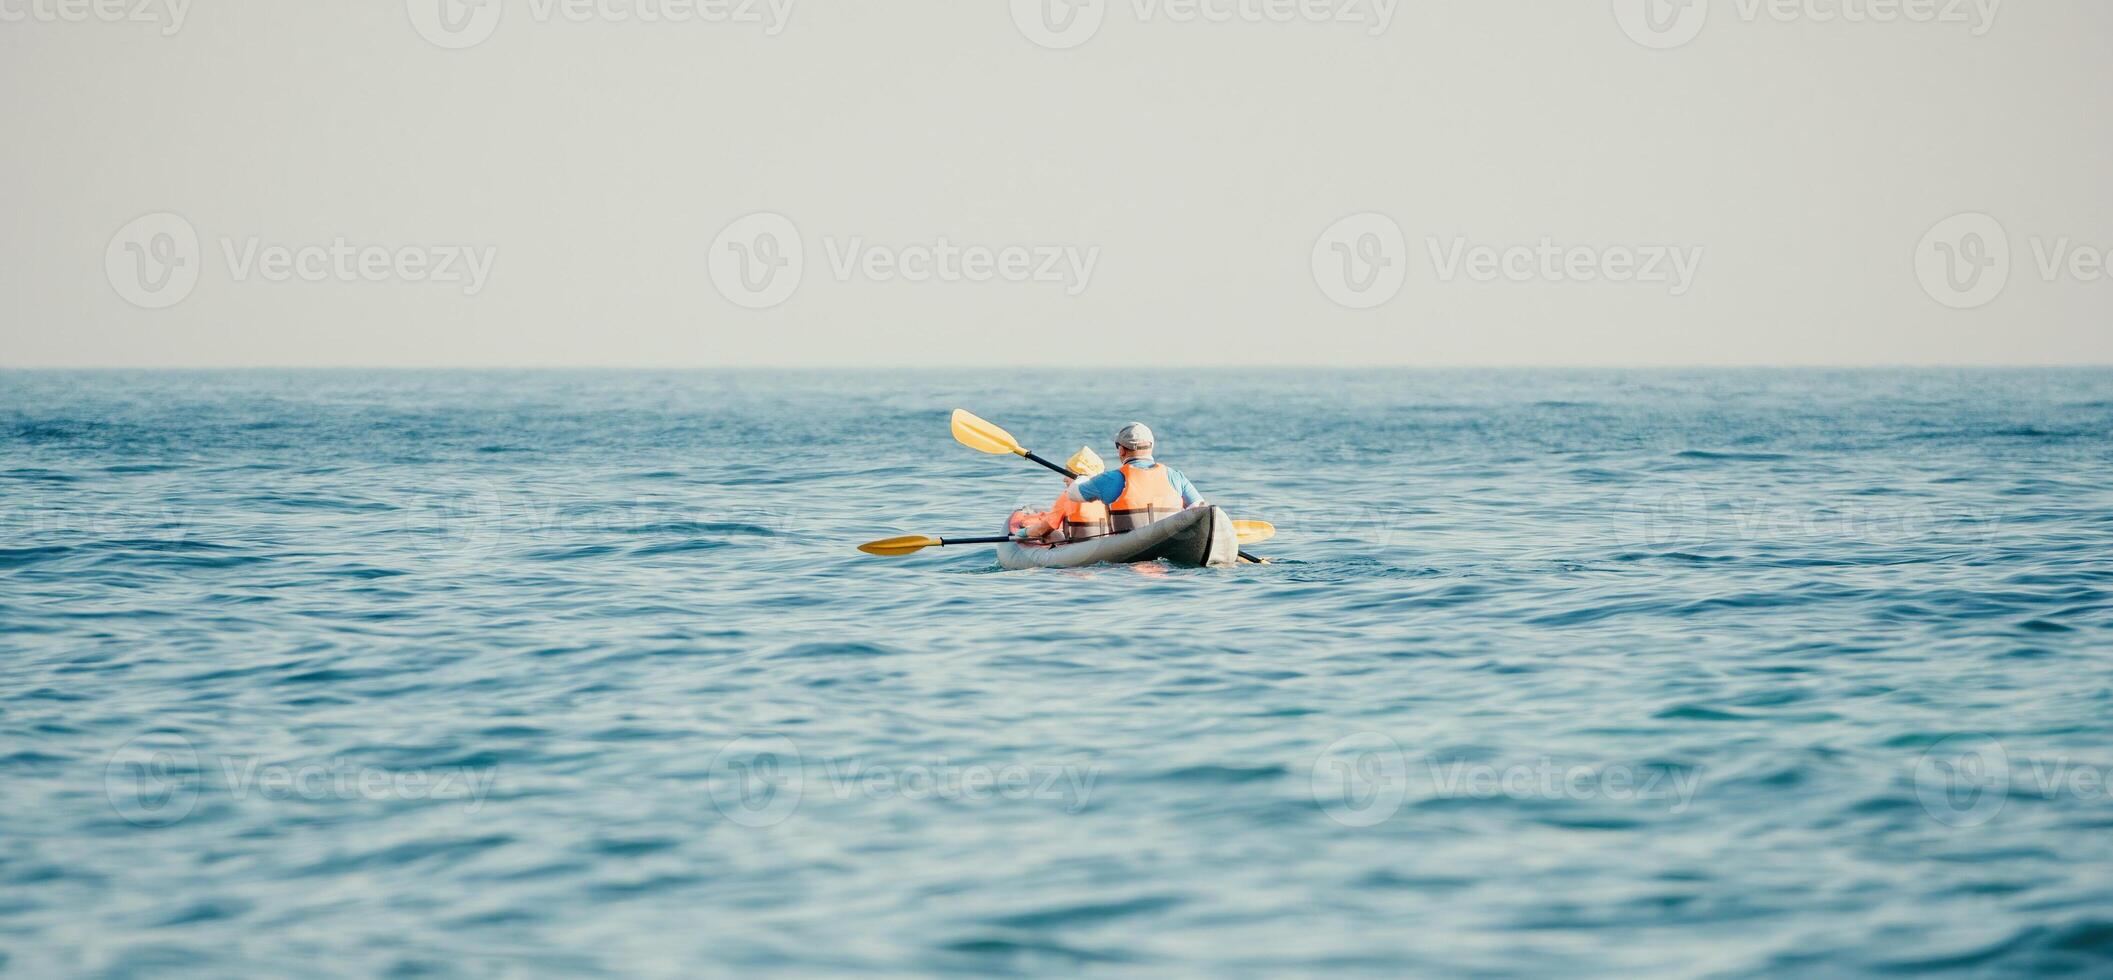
<point x="579" y="673"/>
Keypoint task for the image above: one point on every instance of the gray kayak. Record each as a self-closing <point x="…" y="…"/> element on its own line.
<point x="1197" y="537"/>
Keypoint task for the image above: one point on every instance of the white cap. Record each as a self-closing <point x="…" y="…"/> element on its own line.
<point x="1134" y="436"/>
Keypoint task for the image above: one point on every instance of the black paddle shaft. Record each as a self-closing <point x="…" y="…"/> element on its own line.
<point x="1053" y="466"/>
<point x="948" y="541"/>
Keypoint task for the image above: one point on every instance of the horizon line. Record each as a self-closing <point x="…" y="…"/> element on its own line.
<point x="1815" y="366"/>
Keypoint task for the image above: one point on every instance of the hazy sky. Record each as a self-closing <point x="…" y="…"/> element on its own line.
<point x="727" y="182"/>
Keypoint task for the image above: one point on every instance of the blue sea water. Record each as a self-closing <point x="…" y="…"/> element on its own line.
<point x="576" y="673"/>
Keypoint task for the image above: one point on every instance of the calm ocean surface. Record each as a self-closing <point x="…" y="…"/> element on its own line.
<point x="1681" y="672"/>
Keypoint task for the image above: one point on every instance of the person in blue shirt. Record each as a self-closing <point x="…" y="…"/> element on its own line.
<point x="1142" y="491"/>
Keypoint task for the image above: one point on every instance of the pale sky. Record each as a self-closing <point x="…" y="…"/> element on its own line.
<point x="1023" y="182"/>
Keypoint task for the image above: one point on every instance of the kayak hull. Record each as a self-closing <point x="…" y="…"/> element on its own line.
<point x="1195" y="538"/>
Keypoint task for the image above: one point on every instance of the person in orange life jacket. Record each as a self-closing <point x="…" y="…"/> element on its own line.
<point x="1142" y="491"/>
<point x="1068" y="519"/>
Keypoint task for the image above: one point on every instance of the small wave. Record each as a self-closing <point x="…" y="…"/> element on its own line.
<point x="1087" y="914"/>
<point x="1019" y="953"/>
<point x="200" y="913"/>
<point x="1225" y="775"/>
<point x="29" y="761"/>
<point x="611" y="891"/>
<point x="702" y="527"/>
<point x="39" y="476"/>
<point x="574" y="553"/>
<point x="23" y="557"/>
<point x="1712" y="455"/>
<point x="60" y="429"/>
<point x="299" y="502"/>
<point x="833" y="650"/>
<point x="2080" y="947"/>
<point x="445" y="850"/>
<point x="1699" y="712"/>
<point x="678" y="548"/>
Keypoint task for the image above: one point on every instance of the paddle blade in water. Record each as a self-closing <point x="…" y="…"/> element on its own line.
<point x="1254" y="532"/>
<point x="908" y="544"/>
<point x="984" y="437"/>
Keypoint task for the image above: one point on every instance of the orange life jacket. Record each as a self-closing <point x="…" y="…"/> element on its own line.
<point x="1081" y="521"/>
<point x="1148" y="498"/>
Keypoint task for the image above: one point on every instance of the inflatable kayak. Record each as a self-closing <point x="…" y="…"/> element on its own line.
<point x="1194" y="538"/>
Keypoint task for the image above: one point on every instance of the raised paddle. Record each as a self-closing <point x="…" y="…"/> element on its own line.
<point x="983" y="437"/>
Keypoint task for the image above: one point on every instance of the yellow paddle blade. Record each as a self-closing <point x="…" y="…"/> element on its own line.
<point x="1254" y="532"/>
<point x="984" y="437"/>
<point x="908" y="544"/>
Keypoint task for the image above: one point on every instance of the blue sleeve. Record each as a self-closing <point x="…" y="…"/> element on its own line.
<point x="1104" y="488"/>
<point x="1189" y="496"/>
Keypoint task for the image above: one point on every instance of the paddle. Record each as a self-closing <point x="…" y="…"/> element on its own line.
<point x="983" y="437"/>
<point x="1254" y="532"/>
<point x="910" y="544"/>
